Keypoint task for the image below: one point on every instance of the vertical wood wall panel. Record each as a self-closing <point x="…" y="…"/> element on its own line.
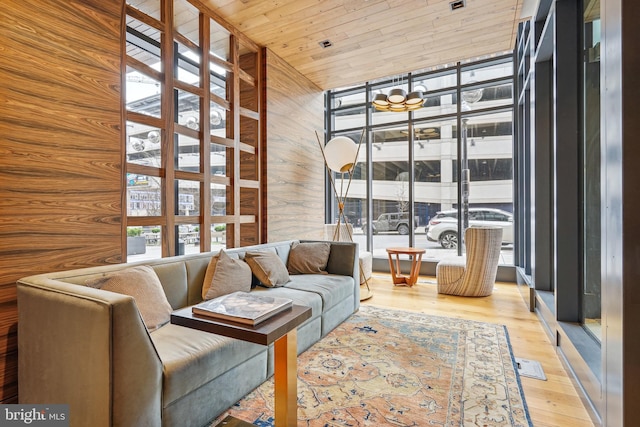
<point x="60" y="147"/>
<point x="295" y="169"/>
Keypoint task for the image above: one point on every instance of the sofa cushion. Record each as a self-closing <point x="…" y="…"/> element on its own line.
<point x="331" y="288"/>
<point x="268" y="268"/>
<point x="308" y="258"/>
<point x="143" y="284"/>
<point x="192" y="358"/>
<point x="225" y="275"/>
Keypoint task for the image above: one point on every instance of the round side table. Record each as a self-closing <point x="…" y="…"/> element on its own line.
<point x="415" y="254"/>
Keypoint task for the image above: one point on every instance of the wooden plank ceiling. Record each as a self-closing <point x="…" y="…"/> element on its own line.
<point x="373" y="38"/>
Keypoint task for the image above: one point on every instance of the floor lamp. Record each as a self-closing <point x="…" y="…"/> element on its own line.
<point x="341" y="155"/>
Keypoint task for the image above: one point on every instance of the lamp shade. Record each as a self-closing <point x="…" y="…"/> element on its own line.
<point x="396" y="96"/>
<point x="472" y="96"/>
<point x="380" y="100"/>
<point x="153" y="136"/>
<point x="340" y="154"/>
<point x="414" y="98"/>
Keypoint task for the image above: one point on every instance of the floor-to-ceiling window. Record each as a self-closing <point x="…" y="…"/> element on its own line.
<point x="558" y="176"/>
<point x="405" y="186"/>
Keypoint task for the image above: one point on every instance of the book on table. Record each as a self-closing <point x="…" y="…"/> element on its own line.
<point x="243" y="307"/>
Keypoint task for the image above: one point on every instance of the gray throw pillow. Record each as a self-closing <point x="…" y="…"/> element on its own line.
<point x="308" y="257"/>
<point x="225" y="275"/>
<point x="143" y="284"/>
<point x="268" y="268"/>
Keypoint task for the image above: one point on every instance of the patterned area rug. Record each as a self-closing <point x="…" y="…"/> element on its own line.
<point x="398" y="368"/>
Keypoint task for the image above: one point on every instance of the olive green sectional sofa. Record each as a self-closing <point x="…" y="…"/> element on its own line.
<point x="90" y="348"/>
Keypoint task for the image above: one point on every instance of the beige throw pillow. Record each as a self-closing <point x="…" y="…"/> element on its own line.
<point x="308" y="258"/>
<point x="225" y="275"/>
<point x="143" y="284"/>
<point x="268" y="268"/>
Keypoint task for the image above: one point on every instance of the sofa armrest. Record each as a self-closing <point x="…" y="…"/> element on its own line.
<point x="87" y="348"/>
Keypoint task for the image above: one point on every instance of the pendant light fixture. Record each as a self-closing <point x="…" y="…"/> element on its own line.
<point x="398" y="101"/>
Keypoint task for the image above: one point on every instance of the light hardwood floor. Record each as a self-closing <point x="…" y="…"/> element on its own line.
<point x="552" y="403"/>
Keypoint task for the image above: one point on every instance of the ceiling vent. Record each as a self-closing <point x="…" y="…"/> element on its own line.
<point x="458" y="4"/>
<point x="325" y="43"/>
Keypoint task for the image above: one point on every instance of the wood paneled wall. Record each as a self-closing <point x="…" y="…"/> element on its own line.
<point x="60" y="147"/>
<point x="294" y="166"/>
<point x="61" y="151"/>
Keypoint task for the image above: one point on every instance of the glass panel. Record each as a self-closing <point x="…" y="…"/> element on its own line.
<point x="218" y="120"/>
<point x="350" y="118"/>
<point x="591" y="298"/>
<point x="143" y="94"/>
<point x="143" y="195"/>
<point x="390" y="188"/>
<point x="188" y="65"/>
<point x="144" y="243"/>
<point x="218" y="160"/>
<point x="218" y="200"/>
<point x="150" y="7"/>
<point x="219" y="41"/>
<point x="436" y="189"/>
<point x="437" y="105"/>
<point x="220" y="48"/>
<point x="490" y="96"/>
<point x="188" y="153"/>
<point x="488" y="71"/>
<point x="350" y="99"/>
<point x="143" y="43"/>
<point x="186" y="20"/>
<point x="218" y="236"/>
<point x="188" y="109"/>
<point x="144" y="145"/>
<point x="489" y="160"/>
<point x="218" y="81"/>
<point x="188" y="239"/>
<point x="355" y="205"/>
<point x="436" y="81"/>
<point x="188" y="197"/>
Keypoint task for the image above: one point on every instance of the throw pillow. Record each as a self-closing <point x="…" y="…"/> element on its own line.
<point x="268" y="268"/>
<point x="225" y="275"/>
<point x="308" y="258"/>
<point x="143" y="284"/>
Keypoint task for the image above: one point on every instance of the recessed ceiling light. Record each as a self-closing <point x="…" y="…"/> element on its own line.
<point x="458" y="4"/>
<point x="325" y="43"/>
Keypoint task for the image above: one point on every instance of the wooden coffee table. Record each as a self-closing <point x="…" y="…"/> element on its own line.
<point x="416" y="259"/>
<point x="280" y="330"/>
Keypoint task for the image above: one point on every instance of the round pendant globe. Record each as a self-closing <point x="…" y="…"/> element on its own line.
<point x="340" y="154"/>
<point x="472" y="96"/>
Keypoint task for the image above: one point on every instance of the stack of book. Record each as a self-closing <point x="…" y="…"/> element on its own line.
<point x="243" y="307"/>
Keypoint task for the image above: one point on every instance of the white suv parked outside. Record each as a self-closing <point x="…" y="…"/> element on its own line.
<point x="443" y="227"/>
